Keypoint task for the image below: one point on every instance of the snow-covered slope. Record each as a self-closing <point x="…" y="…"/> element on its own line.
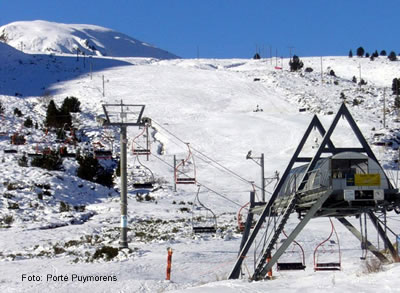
<point x="52" y="37"/>
<point x="212" y="104"/>
<point x="8" y="53"/>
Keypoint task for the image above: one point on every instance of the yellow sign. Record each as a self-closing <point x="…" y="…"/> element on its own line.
<point x="367" y="179"/>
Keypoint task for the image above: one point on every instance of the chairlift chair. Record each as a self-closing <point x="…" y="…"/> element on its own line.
<point x="241" y="221"/>
<point x="203" y="219"/>
<point x="327" y="255"/>
<point x="293" y="258"/>
<point x="100" y="152"/>
<point x="142" y="176"/>
<point x="185" y="170"/>
<point x="18" y="139"/>
<point x="141" y="143"/>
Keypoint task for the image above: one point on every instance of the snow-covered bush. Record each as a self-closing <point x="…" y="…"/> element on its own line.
<point x="106" y="252"/>
<point x="51" y="161"/>
<point x="90" y="169"/>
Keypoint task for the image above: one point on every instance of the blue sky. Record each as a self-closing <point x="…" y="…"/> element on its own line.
<point x="230" y="28"/>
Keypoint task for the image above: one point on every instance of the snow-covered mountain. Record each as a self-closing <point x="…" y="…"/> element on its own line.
<point x="223" y="108"/>
<point x="52" y="37"/>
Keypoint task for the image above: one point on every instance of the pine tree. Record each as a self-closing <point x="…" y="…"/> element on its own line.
<point x="90" y="169"/>
<point x="28" y="123"/>
<point x="360" y="52"/>
<point x="383" y="53"/>
<point x="350" y="54"/>
<point x="397" y="102"/>
<point x="51" y="114"/>
<point x="396" y="86"/>
<point x="71" y="105"/>
<point x="392" y="56"/>
<point x="87" y="169"/>
<point x="295" y="63"/>
<point x="57" y="118"/>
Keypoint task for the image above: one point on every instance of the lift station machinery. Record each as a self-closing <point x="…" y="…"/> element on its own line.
<point x="335" y="182"/>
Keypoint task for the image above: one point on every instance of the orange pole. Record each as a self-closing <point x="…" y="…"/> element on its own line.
<point x="169" y="263"/>
<point x="269" y="274"/>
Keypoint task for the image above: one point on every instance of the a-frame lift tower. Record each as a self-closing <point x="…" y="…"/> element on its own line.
<point x="327" y="199"/>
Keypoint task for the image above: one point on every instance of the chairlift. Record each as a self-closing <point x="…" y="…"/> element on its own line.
<point x="65" y="153"/>
<point x="100" y="152"/>
<point x="18" y="139"/>
<point x="241" y="223"/>
<point x="240" y="219"/>
<point x="327" y="255"/>
<point x="142" y="176"/>
<point x="185" y="170"/>
<point x="71" y="139"/>
<point x="42" y="147"/>
<point x="141" y="142"/>
<point x="203" y="219"/>
<point x="10" y="151"/>
<point x="293" y="258"/>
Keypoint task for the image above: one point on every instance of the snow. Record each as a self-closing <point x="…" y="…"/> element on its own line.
<point x="210" y="104"/>
<point x="50" y="37"/>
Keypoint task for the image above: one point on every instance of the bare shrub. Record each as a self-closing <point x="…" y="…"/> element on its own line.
<point x="372" y="265"/>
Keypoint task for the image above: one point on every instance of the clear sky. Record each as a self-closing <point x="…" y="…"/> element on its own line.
<point x="231" y="28"/>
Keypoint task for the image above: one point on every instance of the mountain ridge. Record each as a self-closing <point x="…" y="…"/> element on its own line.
<point x="52" y="37"/>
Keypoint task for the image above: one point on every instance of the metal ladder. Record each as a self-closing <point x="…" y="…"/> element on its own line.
<point x="267" y="253"/>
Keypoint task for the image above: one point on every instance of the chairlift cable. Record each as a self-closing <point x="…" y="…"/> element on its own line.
<point x="230" y="171"/>
<point x="144" y="166"/>
<point x="206" y="187"/>
<point x="212" y="160"/>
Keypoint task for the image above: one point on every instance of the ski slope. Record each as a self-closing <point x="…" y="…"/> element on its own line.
<point x="211" y="105"/>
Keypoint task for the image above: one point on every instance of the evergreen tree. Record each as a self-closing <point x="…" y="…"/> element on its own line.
<point x="350" y="54"/>
<point x="383" y="53"/>
<point x="17" y="112"/>
<point x="375" y="54"/>
<point x="88" y="166"/>
<point x="51" y="161"/>
<point x="396" y="86"/>
<point x="28" y="123"/>
<point x="392" y="56"/>
<point x="71" y="105"/>
<point x="57" y="118"/>
<point x="1" y="108"/>
<point x="360" y="52"/>
<point x="295" y="63"/>
<point x="51" y="114"/>
<point x="90" y="169"/>
<point x="367" y="55"/>
<point x="397" y="102"/>
<point x="256" y="56"/>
